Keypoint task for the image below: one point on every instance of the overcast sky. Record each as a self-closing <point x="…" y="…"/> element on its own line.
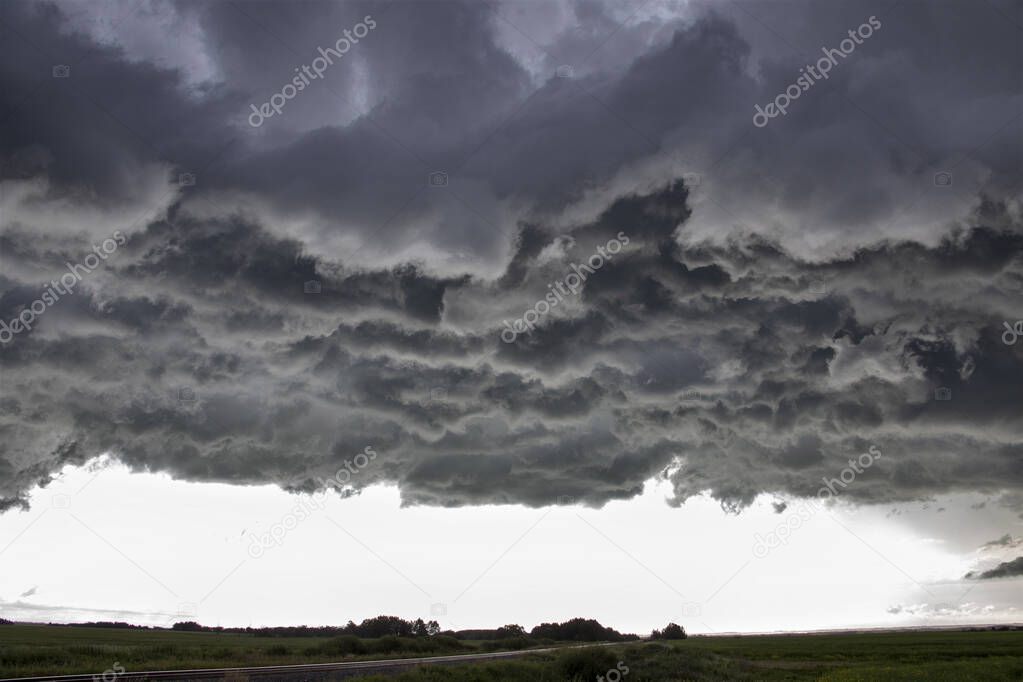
<point x="592" y="299"/>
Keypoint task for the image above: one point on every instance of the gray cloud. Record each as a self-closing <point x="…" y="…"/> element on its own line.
<point x="1005" y="541"/>
<point x="742" y="361"/>
<point x="1006" y="569"/>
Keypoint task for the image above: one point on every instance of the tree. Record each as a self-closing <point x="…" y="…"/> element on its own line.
<point x="577" y="630"/>
<point x="507" y="631"/>
<point x="188" y="626"/>
<point x="670" y="631"/>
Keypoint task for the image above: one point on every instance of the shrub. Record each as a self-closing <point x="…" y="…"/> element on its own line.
<point x="345" y="645"/>
<point x="445" y="643"/>
<point x="670" y="631"/>
<point x="386" y="645"/>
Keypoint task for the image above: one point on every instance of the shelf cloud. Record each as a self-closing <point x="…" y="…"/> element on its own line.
<point x="339" y="278"/>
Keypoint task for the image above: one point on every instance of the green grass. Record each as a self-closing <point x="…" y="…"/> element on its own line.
<point x="900" y="657"/>
<point x="896" y="657"/>
<point x="27" y="650"/>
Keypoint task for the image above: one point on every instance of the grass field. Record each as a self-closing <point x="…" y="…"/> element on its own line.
<point x="883" y="657"/>
<point x="27" y="650"/>
<point x="902" y="656"/>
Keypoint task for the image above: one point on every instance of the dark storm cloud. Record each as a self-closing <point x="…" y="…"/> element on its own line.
<point x="1006" y="569"/>
<point x="729" y="363"/>
<point x="1004" y="541"/>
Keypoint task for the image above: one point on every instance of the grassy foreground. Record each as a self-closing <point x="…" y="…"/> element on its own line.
<point x="897" y="657"/>
<point x="32" y="650"/>
<point x="919" y="656"/>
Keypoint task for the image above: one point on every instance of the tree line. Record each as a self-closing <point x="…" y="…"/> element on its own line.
<point x="573" y="630"/>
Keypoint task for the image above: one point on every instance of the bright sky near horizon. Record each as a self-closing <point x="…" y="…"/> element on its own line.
<point x="101" y="543"/>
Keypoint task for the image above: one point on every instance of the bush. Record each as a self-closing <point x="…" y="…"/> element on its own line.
<point x="386" y="645"/>
<point x="585" y="665"/>
<point x="345" y="645"/>
<point x="510" y="644"/>
<point x="444" y="643"/>
<point x="670" y="631"/>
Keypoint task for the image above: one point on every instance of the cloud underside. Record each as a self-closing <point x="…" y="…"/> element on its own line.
<point x="729" y="363"/>
<point x="1006" y="569"/>
<point x="731" y="369"/>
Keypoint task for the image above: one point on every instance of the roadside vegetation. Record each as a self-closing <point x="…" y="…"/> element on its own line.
<point x="28" y="650"/>
<point x="953" y="656"/>
<point x="919" y="656"/>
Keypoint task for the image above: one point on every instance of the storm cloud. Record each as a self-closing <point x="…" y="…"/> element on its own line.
<point x="787" y="298"/>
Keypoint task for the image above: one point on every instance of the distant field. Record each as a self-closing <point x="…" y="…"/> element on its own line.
<point x="918" y="656"/>
<point x="27" y="650"/>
